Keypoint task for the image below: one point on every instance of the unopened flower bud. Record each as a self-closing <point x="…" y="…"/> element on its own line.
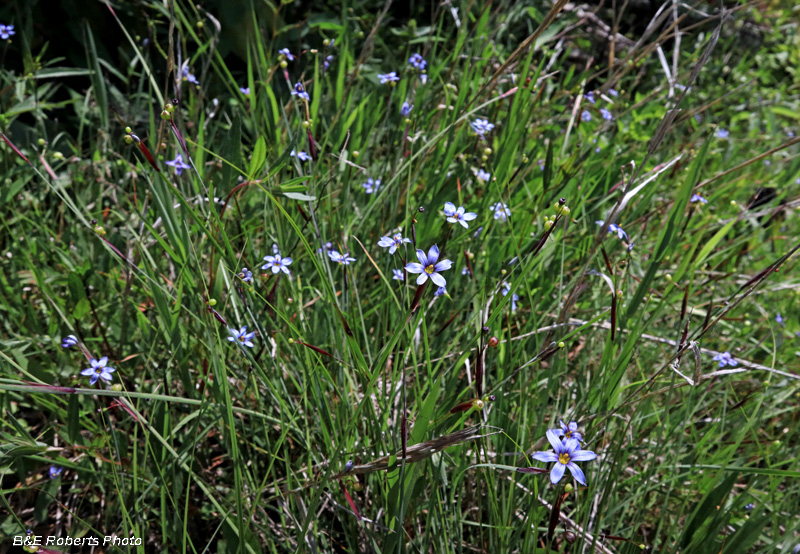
<point x="326" y="43"/>
<point x="568" y="487"/>
<point x="524" y="159"/>
<point x="485" y="330"/>
<point x="356" y="153"/>
<point x="165" y="115"/>
<point x="284" y="64"/>
<point x="212" y="302"/>
<point x="487" y="151"/>
<point x="548" y="224"/>
<point x="41" y="142"/>
<point x="291" y="340"/>
<point x="116" y="387"/>
<point x="58" y="155"/>
<point x="99" y="230"/>
<point x="561" y="344"/>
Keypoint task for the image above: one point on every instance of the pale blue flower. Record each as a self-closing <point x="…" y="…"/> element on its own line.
<point x="698" y="198"/>
<point x="244" y="90"/>
<point x="341" y="259"/>
<point x="441" y="291"/>
<point x="189" y="77"/>
<point x="397" y="275"/>
<point x="482" y="175"/>
<point x="779" y="320"/>
<point x="481" y="127"/>
<point x="241" y="337"/>
<point x="300" y="91"/>
<point x="613" y="92"/>
<point x="725" y="359"/>
<point x="388" y="77"/>
<point x="393" y="242"/>
<point x="586" y="116"/>
<point x="457" y="215"/>
<point x="246" y="275"/>
<point x="614" y="228"/>
<point x="418" y="61"/>
<point x="590" y="96"/>
<point x="286" y="54"/>
<point x="722" y="133"/>
<point x="500" y="210"/>
<point x="302" y="156"/>
<point x="178" y="164"/>
<point x="98" y="370"/>
<point x="371" y="185"/>
<point x="406" y="109"/>
<point x="69" y="341"/>
<point x="565" y="454"/>
<point x="606" y="114"/>
<point x="429" y="266"/>
<point x="568" y="431"/>
<point x="55" y="471"/>
<point x="327" y="62"/>
<point x="464" y="270"/>
<point x="514" y="297"/>
<point x="277" y="263"/>
<point x="6" y="31"/>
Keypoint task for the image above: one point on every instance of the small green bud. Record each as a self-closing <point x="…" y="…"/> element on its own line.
<point x="170" y="107"/>
<point x="58" y="155"/>
<point x="128" y="130"/>
<point x="561" y="344"/>
<point x="284" y="64"/>
<point x="200" y="24"/>
<point x="41" y="142"/>
<point x="212" y="302"/>
<point x="128" y="139"/>
<point x="524" y="159"/>
<point x="116" y="387"/>
<point x="565" y="210"/>
<point x="99" y="230"/>
<point x="165" y="115"/>
<point x="356" y="153"/>
<point x="568" y="487"/>
<point x="487" y="151"/>
<point x="548" y="225"/>
<point x="291" y="340"/>
<point x="326" y="43"/>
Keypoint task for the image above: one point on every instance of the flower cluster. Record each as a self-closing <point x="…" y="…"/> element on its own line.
<point x="284" y="53"/>
<point x="565" y="453"/>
